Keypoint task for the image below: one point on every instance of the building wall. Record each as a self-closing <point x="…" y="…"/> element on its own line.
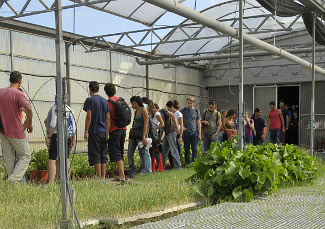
<point x="33" y="54"/>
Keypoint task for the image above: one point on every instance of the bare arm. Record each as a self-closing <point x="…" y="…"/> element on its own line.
<point x="267" y="119"/>
<point x="146" y="123"/>
<point x="161" y="122"/>
<point x="28" y="122"/>
<point x="180" y="120"/>
<point x="87" y="124"/>
<point x="199" y="128"/>
<point x="288" y="119"/>
<point x="282" y="121"/>
<point x="219" y="127"/>
<point x="108" y="122"/>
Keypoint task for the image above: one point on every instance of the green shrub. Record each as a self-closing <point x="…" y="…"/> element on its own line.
<point x="39" y="160"/>
<point x="80" y="166"/>
<point x="2" y="167"/>
<point x="227" y="172"/>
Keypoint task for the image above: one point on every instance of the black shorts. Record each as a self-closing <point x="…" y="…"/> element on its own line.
<point x="97" y="148"/>
<point x="116" y="145"/>
<point x="53" y="150"/>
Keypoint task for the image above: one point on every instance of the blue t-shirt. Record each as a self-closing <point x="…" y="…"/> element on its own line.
<point x="190" y="118"/>
<point x="99" y="108"/>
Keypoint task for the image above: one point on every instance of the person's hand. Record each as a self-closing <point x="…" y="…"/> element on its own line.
<point x="86" y="136"/>
<point x="185" y="128"/>
<point x="72" y="144"/>
<point x="48" y="142"/>
<point x="283" y="130"/>
<point x="28" y="126"/>
<point x="206" y="123"/>
<point x="178" y="131"/>
<point x="287" y="129"/>
<point x="180" y="139"/>
<point x="200" y="137"/>
<point x="263" y="136"/>
<point x="144" y="142"/>
<point x="213" y="137"/>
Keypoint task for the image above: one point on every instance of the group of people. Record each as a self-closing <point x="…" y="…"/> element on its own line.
<point x="158" y="133"/>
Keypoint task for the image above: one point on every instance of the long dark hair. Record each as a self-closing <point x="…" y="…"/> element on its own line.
<point x="137" y="99"/>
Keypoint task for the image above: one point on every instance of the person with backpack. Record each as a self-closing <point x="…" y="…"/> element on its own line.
<point x="138" y="134"/>
<point x="51" y="141"/>
<point x="169" y="141"/>
<point x="211" y="123"/>
<point x="192" y="130"/>
<point x="155" y="127"/>
<point x="120" y="114"/>
<point x="97" y="125"/>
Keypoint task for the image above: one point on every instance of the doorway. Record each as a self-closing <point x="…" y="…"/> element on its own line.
<point x="290" y="95"/>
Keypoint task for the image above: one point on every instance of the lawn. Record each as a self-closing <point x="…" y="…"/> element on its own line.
<point x="33" y="206"/>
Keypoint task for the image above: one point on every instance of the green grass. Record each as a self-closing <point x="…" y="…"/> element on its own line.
<point x="32" y="206"/>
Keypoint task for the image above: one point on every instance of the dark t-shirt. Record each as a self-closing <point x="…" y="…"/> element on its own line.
<point x="284" y="113"/>
<point x="259" y="124"/>
<point x="99" y="108"/>
<point x="169" y="126"/>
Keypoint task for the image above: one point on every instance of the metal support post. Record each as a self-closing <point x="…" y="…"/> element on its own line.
<point x="147" y="81"/>
<point x="61" y="124"/>
<point x="312" y="104"/>
<point x="11" y="51"/>
<point x="241" y="79"/>
<point x="67" y="68"/>
<point x="110" y="68"/>
<point x="176" y="81"/>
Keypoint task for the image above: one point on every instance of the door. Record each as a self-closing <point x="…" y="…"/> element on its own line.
<point x="263" y="95"/>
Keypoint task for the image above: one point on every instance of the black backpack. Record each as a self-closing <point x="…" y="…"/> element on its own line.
<point x="153" y="131"/>
<point x="169" y="125"/>
<point x="122" y="113"/>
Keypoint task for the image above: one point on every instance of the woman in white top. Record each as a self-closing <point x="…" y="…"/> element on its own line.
<point x="154" y="152"/>
<point x="180" y="127"/>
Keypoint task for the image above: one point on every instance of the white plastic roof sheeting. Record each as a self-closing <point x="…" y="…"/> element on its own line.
<point x="135" y="10"/>
<point x="228" y="13"/>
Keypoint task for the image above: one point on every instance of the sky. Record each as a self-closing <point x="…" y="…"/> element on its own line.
<point x="91" y="22"/>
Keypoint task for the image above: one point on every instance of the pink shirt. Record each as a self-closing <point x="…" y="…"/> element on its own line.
<point x="11" y="101"/>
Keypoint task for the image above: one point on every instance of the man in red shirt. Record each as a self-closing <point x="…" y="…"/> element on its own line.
<point x="12" y="137"/>
<point x="275" y="118"/>
<point x="116" y="135"/>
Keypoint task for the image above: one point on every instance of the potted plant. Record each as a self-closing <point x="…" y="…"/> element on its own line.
<point x="37" y="169"/>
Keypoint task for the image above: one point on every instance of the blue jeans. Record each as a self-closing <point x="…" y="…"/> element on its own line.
<point x="220" y="136"/>
<point x="145" y="159"/>
<point x="191" y="141"/>
<point x="169" y="143"/>
<point x="207" y="141"/>
<point x="248" y="139"/>
<point x="275" y="136"/>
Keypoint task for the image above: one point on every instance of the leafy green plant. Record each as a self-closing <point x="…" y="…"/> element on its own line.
<point x="2" y="167"/>
<point x="228" y="172"/>
<point x="39" y="160"/>
<point x="80" y="166"/>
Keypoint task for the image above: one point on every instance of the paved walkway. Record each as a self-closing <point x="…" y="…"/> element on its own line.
<point x="301" y="207"/>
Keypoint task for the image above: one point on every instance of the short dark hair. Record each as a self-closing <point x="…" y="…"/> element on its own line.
<point x="272" y="103"/>
<point x="156" y="106"/>
<point x="281" y="100"/>
<point x="231" y="112"/>
<point x="145" y="100"/>
<point x="94" y="86"/>
<point x="137" y="99"/>
<point x="15" y="77"/>
<point x="212" y="103"/>
<point x="170" y="103"/>
<point x="110" y="89"/>
<point x="257" y="110"/>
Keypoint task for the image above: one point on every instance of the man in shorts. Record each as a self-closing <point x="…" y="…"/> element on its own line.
<point x="116" y="135"/>
<point x="97" y="125"/>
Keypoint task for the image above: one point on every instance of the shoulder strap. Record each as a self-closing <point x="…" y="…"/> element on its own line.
<point x="204" y="113"/>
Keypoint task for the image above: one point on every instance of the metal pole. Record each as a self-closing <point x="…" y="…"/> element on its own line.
<point x="224" y="56"/>
<point x="241" y="78"/>
<point x="61" y="124"/>
<point x="177" y="8"/>
<point x="110" y="67"/>
<point x="176" y="81"/>
<point x="312" y="104"/>
<point x="11" y="52"/>
<point x="147" y="81"/>
<point x="67" y="67"/>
